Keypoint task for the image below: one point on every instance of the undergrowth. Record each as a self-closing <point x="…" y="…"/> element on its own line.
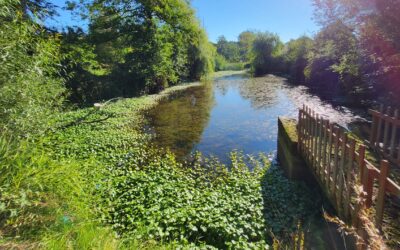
<point x="93" y="182"/>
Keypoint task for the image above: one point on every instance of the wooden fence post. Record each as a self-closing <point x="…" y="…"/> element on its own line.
<point x="335" y="162"/>
<point x="386" y="131"/>
<point x="394" y="134"/>
<point x="329" y="154"/>
<point x="349" y="179"/>
<point x="341" y="175"/>
<point x="300" y="130"/>
<point x="381" y="193"/>
<point x="361" y="163"/>
<point x="379" y="132"/>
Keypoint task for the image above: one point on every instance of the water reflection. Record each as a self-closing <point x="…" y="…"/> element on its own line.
<point x="236" y="112"/>
<point x="179" y="122"/>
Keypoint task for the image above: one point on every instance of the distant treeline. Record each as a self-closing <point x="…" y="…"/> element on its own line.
<point x="356" y="52"/>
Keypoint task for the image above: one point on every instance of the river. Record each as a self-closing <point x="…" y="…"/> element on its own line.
<point x="237" y="112"/>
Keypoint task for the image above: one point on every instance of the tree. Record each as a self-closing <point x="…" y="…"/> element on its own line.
<point x="228" y="49"/>
<point x="295" y="53"/>
<point x="246" y="40"/>
<point x="266" y="52"/>
<point x="145" y="46"/>
<point x="31" y="88"/>
<point x="376" y="24"/>
<point x="334" y="59"/>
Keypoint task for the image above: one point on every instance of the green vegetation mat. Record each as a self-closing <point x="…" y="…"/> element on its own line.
<point x="94" y="182"/>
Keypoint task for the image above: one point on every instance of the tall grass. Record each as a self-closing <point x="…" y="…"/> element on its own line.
<point x="47" y="203"/>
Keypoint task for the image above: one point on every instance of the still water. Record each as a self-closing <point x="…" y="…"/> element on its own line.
<point x="236" y="112"/>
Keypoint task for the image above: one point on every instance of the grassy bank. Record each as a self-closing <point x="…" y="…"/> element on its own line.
<point x="93" y="182"/>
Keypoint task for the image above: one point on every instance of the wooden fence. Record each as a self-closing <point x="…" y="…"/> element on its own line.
<point x="385" y="133"/>
<point x="340" y="166"/>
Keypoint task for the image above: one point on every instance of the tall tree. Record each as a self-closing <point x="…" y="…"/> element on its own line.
<point x="148" y="45"/>
<point x="266" y="52"/>
<point x="228" y="49"/>
<point x="334" y="58"/>
<point x="376" y="25"/>
<point x="246" y="40"/>
<point x="296" y="53"/>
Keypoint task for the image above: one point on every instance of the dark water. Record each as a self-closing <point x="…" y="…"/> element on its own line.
<point x="236" y="112"/>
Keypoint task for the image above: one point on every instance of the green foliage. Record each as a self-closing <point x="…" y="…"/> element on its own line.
<point x="333" y="59"/>
<point x="156" y="45"/>
<point x="229" y="50"/>
<point x="295" y="56"/>
<point x="222" y="65"/>
<point x="286" y="204"/>
<point x="245" y="41"/>
<point x="220" y="62"/>
<point x="234" y="66"/>
<point x="30" y="85"/>
<point x="197" y="203"/>
<point x="266" y="52"/>
<point x="38" y="193"/>
<point x="373" y="29"/>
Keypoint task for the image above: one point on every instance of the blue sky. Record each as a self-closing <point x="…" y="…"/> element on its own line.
<point x="288" y="18"/>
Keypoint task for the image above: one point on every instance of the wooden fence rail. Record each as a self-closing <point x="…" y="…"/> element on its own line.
<point x="385" y="133"/>
<point x="340" y="166"/>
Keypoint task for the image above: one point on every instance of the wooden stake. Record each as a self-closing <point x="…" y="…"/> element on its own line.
<point x="386" y="131"/>
<point x="379" y="132"/>
<point x="341" y="175"/>
<point x="330" y="142"/>
<point x="381" y="193"/>
<point x="349" y="180"/>
<point x="394" y="134"/>
<point x="335" y="163"/>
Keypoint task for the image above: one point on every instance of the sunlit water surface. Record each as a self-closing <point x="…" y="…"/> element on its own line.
<point x="236" y="112"/>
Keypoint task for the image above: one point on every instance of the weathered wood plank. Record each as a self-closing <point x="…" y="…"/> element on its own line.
<point x="335" y="162"/>
<point x="316" y="145"/>
<point x="313" y="139"/>
<point x="394" y="134"/>
<point x="386" y="131"/>
<point x="384" y="117"/>
<point x="349" y="177"/>
<point x="361" y="162"/>
<point x="368" y="182"/>
<point x="330" y="142"/>
<point x="319" y="149"/>
<point x="341" y="175"/>
<point x="379" y="129"/>
<point x="300" y="130"/>
<point x="324" y="146"/>
<point x="381" y="193"/>
<point x="374" y="131"/>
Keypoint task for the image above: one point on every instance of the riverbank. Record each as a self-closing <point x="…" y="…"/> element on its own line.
<point x="50" y="195"/>
<point x="93" y="182"/>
